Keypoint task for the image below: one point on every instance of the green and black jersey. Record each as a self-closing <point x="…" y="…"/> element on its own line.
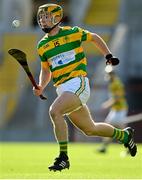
<point x="63" y="53"/>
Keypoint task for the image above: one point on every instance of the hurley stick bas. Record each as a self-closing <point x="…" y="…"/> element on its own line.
<point x="21" y="57"/>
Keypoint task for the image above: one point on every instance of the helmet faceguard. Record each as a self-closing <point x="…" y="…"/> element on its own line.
<point x="52" y="13"/>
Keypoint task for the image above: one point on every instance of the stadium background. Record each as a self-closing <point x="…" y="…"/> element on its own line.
<point x="24" y="117"/>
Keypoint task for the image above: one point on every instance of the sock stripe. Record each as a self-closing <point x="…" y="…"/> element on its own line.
<point x="114" y="133"/>
<point x="63" y="142"/>
<point x="120" y="135"/>
<point x="117" y="133"/>
<point x="63" y="146"/>
<point x="63" y="150"/>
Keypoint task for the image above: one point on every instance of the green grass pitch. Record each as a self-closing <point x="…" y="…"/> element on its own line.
<point x="31" y="161"/>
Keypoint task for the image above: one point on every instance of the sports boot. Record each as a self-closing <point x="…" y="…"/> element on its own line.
<point x="61" y="162"/>
<point x="130" y="144"/>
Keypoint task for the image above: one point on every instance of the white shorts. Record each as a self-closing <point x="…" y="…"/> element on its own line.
<point x="78" y="85"/>
<point x="116" y="118"/>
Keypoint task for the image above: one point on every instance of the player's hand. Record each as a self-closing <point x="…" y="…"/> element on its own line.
<point x="111" y="60"/>
<point x="38" y="91"/>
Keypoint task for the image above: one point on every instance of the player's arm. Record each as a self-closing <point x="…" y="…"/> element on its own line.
<point x="117" y="95"/>
<point x="102" y="46"/>
<point x="44" y="79"/>
<point x="109" y="103"/>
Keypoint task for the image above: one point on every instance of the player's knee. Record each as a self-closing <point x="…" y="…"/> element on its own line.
<point x="54" y="112"/>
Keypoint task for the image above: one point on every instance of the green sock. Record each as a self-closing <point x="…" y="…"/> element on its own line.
<point x="63" y="146"/>
<point x="120" y="135"/>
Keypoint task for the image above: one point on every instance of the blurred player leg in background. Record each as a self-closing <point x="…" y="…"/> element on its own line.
<point x="114" y="118"/>
<point x="117" y="104"/>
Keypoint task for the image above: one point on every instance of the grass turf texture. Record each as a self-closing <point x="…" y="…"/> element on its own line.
<point x="31" y="161"/>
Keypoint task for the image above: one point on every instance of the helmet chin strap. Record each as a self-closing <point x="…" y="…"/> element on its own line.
<point x="48" y="30"/>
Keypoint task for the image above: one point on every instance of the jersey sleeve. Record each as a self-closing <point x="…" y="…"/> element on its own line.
<point x="85" y="35"/>
<point x="43" y="59"/>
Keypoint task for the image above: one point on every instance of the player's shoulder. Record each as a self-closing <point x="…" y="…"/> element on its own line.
<point x="77" y="28"/>
<point x="69" y="28"/>
<point x="66" y="27"/>
<point x="42" y="41"/>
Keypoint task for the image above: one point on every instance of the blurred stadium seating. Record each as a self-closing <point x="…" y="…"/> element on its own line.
<point x="102" y="13"/>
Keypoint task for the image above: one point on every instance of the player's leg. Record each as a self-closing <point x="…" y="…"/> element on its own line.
<point x="104" y="145"/>
<point x="68" y="100"/>
<point x="83" y="120"/>
<point x="65" y="103"/>
<point x="115" y="118"/>
<point x="110" y="119"/>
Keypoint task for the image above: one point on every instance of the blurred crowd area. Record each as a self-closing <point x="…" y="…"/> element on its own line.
<point x="23" y="116"/>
